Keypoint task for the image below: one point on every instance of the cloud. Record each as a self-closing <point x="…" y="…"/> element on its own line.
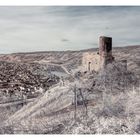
<point x="66" y="27"/>
<point x="64" y="40"/>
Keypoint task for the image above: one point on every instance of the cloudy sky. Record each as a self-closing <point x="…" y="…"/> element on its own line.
<point x="24" y="29"/>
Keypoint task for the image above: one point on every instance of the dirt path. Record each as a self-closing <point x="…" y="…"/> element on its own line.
<point x="11" y="103"/>
<point x="58" y="65"/>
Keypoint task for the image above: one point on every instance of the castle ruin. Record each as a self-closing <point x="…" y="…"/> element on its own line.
<point x="97" y="60"/>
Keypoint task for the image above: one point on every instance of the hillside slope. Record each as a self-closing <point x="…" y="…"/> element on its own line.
<point x="107" y="101"/>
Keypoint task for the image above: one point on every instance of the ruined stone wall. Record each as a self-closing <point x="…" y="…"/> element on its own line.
<point x="91" y="61"/>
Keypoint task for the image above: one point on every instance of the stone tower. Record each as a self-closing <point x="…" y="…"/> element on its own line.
<point x="105" y="50"/>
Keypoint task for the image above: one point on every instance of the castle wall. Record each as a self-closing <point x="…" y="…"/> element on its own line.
<point x="91" y="61"/>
